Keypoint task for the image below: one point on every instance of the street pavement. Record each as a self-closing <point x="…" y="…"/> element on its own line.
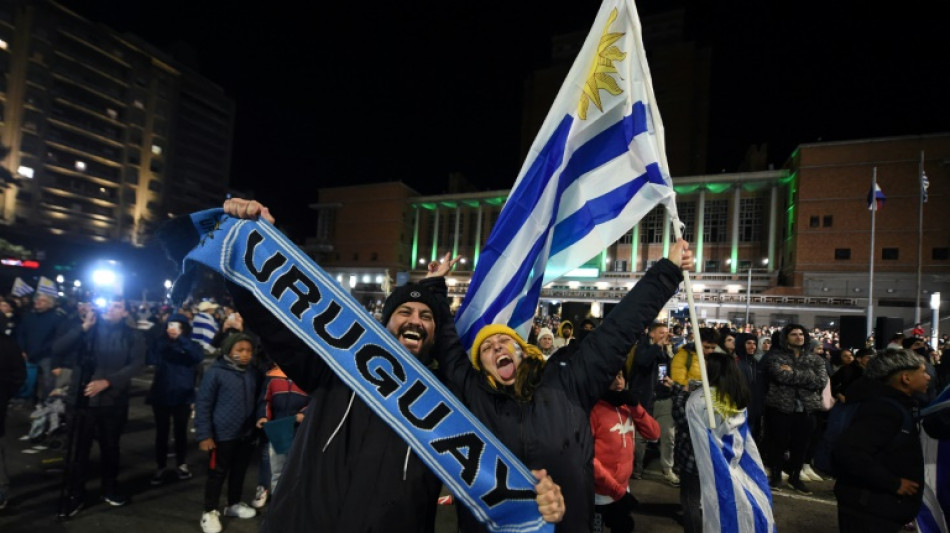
<point x="176" y="505"/>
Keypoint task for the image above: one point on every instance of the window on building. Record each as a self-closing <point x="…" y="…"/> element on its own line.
<point x="842" y="253"/>
<point x="716" y="221"/>
<point x="373" y="256"/>
<point x="828" y="221"/>
<point x="626" y="238"/>
<point x="651" y="227"/>
<point x="156" y="149"/>
<point x="4" y="45"/>
<point x="80" y="166"/>
<point x="813" y="222"/>
<point x="25" y="171"/>
<point x="711" y="266"/>
<point x="356" y="256"/>
<point x="687" y="214"/>
<point x="890" y="254"/>
<point x="138" y="103"/>
<point x="750" y="219"/>
<point x="941" y="254"/>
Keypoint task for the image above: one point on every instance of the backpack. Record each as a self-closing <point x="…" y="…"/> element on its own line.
<point x="840" y="418"/>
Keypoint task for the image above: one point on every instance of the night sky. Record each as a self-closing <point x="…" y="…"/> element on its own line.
<point x="341" y="92"/>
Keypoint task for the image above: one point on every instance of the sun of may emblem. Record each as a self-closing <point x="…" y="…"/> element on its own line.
<point x="599" y="77"/>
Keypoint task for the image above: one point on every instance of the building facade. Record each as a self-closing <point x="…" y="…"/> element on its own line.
<point x="765" y="242"/>
<point x="107" y="135"/>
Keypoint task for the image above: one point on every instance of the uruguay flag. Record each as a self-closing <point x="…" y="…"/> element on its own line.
<point x="735" y="489"/>
<point x="876" y="198"/>
<point x="934" y="516"/>
<point x="597" y="166"/>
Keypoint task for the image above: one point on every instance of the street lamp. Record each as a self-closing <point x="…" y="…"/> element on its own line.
<point x="935" y="329"/>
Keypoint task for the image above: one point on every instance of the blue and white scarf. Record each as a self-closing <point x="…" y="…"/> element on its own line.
<point x="475" y="466"/>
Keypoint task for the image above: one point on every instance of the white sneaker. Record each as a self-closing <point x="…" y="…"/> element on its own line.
<point x="672" y="478"/>
<point x="804" y="475"/>
<point x="240" y="510"/>
<point x="812" y="475"/>
<point x="210" y="523"/>
<point x="260" y="497"/>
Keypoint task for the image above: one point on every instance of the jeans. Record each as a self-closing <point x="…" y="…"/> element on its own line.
<point x="277" y="461"/>
<point x="178" y="415"/>
<point x="105" y="424"/>
<point x="792" y="432"/>
<point x="229" y="460"/>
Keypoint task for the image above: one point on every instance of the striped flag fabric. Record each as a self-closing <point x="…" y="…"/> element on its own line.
<point x="203" y="329"/>
<point x="934" y="515"/>
<point x="876" y="198"/>
<point x="20" y="288"/>
<point x="735" y="488"/>
<point x="47" y="286"/>
<point x="597" y="166"/>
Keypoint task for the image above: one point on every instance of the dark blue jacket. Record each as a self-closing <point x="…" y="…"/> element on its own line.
<point x="176" y="369"/>
<point x="226" y="402"/>
<point x="36" y="331"/>
<point x="111" y="351"/>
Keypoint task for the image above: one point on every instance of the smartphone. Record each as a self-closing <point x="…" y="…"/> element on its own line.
<point x="663" y="371"/>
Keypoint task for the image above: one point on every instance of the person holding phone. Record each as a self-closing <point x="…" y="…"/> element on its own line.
<point x="176" y="358"/>
<point x="649" y="364"/>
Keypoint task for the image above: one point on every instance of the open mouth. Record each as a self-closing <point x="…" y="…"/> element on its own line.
<point x="506" y="368"/>
<point x="412" y="336"/>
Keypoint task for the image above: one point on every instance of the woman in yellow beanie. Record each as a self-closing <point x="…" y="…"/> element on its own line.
<point x="541" y="410"/>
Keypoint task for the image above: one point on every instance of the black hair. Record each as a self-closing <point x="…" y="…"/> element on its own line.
<point x="708" y="335"/>
<point x="725" y="376"/>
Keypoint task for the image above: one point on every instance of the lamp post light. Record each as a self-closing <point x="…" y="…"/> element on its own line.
<point x="935" y="326"/>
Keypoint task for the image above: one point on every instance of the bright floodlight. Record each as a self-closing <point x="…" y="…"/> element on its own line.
<point x="103" y="277"/>
<point x="60" y="278"/>
<point x="168" y="283"/>
<point x="100" y="302"/>
<point x="935" y="300"/>
<point x="77" y="284"/>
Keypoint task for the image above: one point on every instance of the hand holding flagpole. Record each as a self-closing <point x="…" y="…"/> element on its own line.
<point x="697" y="343"/>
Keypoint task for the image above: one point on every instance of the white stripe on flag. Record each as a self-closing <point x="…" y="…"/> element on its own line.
<point x="735" y="489"/>
<point x="595" y="169"/>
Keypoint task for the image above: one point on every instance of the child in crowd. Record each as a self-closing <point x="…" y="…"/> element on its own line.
<point x="613" y="422"/>
<point x="224" y="423"/>
<point x="281" y="399"/>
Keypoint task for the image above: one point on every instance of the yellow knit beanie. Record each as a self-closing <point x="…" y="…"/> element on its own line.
<point x="529" y="350"/>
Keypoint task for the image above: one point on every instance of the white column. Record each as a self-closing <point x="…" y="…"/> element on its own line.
<point x="700" y="223"/>
<point x="773" y="226"/>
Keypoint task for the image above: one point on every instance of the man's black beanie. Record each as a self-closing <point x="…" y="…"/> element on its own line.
<point x="410" y="292"/>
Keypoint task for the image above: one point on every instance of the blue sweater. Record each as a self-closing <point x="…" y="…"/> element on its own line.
<point x="226" y="402"/>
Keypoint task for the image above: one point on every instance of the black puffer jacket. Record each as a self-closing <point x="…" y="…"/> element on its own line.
<point x="347" y="471"/>
<point x="876" y="451"/>
<point x="553" y="430"/>
<point x="804" y="382"/>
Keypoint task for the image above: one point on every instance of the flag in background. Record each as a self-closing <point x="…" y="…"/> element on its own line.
<point x="735" y="489"/>
<point x="924" y="185"/>
<point x="20" y="288"/>
<point x="47" y="287"/>
<point x="597" y="166"/>
<point x="876" y="198"/>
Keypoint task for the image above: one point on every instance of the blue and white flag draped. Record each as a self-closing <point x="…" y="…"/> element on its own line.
<point x="597" y="166"/>
<point x="735" y="489"/>
<point x="934" y="516"/>
<point x="472" y="463"/>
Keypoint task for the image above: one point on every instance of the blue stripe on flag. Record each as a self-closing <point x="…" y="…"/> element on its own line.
<point x="599" y="210"/>
<point x="755" y="472"/>
<point x="601" y="149"/>
<point x="725" y="495"/>
<point x="759" y="522"/>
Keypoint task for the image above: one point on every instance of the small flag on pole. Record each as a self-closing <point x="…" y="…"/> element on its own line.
<point x="924" y="185"/>
<point x="876" y="198"/>
<point x="20" y="288"/>
<point x="597" y="166"/>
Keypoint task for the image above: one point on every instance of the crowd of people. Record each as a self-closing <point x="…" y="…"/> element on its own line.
<point x="579" y="405"/>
